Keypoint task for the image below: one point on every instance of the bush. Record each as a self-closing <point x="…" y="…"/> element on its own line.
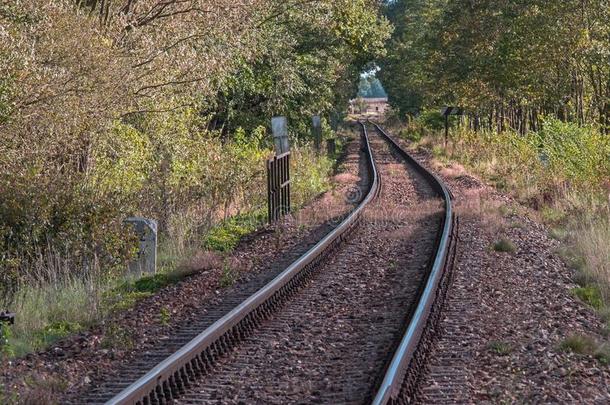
<point x="432" y="120"/>
<point x="504" y="245"/>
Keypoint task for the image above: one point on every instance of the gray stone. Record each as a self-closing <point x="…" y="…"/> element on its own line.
<point x="279" y="126"/>
<point x="146" y="230"/>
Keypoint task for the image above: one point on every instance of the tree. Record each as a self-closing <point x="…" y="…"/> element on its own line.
<point x="508" y="62"/>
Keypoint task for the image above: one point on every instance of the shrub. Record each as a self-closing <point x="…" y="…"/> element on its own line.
<point x="411" y="135"/>
<point x="310" y="175"/>
<point x="580" y="153"/>
<point x="588" y="346"/>
<point x="504" y="245"/>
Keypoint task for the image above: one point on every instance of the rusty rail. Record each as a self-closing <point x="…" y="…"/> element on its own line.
<point x="169" y="378"/>
<point x="390" y="389"/>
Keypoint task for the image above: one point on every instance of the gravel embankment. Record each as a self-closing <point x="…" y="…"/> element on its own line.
<point x="507" y="314"/>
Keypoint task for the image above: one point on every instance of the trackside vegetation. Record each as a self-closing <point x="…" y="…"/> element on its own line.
<point x="157" y="109"/>
<point x="534" y="81"/>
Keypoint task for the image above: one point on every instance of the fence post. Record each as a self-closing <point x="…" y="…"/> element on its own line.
<point x="278" y="187"/>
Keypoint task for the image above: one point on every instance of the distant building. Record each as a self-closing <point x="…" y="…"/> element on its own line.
<point x="369" y="106"/>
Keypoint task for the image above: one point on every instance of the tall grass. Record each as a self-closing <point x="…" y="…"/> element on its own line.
<point x="593" y="242"/>
<point x="53" y="303"/>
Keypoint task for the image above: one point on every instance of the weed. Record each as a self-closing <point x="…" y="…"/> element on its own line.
<point x="574" y="260"/>
<point x="164" y="316"/>
<point x="589" y="295"/>
<point x="559" y="233"/>
<point x="586" y="345"/>
<point x="506" y="211"/>
<point x="50" y="311"/>
<point x="6" y="398"/>
<point x="150" y="284"/>
<point x="121" y="301"/>
<point x="229" y="275"/>
<point x="517" y="225"/>
<point x="500" y="348"/>
<point x="56" y="331"/>
<point x="602" y="353"/>
<point x="592" y="247"/>
<point x="504" y="245"/>
<point x="127" y="294"/>
<point x="439" y="152"/>
<point x="552" y="215"/>
<point x="580" y="344"/>
<point x="117" y="337"/>
<point x="43" y="390"/>
<point x="226" y="236"/>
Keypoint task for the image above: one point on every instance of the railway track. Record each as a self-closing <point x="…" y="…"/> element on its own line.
<point x="345" y="323"/>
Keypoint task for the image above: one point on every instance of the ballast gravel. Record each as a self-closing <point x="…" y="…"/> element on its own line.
<point x="507" y="313"/>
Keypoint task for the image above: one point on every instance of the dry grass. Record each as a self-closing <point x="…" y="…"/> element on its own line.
<point x="593" y="242"/>
<point x="202" y="261"/>
<point x="54" y="304"/>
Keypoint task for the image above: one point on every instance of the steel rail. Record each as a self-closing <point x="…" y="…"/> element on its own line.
<point x="159" y="378"/>
<point x="391" y="385"/>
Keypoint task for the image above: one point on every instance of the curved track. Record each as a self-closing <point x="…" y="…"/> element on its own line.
<point x="340" y="328"/>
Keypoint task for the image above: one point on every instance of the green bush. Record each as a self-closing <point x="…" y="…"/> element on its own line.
<point x="431" y="120"/>
<point x="580" y="153"/>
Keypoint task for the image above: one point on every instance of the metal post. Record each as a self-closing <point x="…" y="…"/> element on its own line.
<point x="278" y="188"/>
<point x="289" y="182"/>
<point x="446" y="130"/>
<point x="269" y="193"/>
